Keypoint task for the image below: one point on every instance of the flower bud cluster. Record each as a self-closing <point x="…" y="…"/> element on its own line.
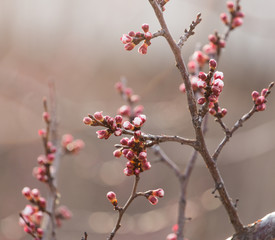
<point x="32" y="215"/>
<point x="128" y="110"/>
<point x="259" y="99"/>
<point x="62" y="213"/>
<point x="70" y="145"/>
<point x="211" y="85"/>
<point x="132" y="39"/>
<point x="112" y="198"/>
<point x="236" y="15"/>
<point x="154" y="195"/>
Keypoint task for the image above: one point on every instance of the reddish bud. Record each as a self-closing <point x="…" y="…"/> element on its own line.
<point x="143" y="49"/>
<point x="103" y="134"/>
<point x="129" y="46"/>
<point x="145" y="27"/>
<point x="237" y="21"/>
<point x="201" y="100"/>
<point x="261" y="107"/>
<point x="124" y="110"/>
<point x="130" y="155"/>
<point x="153" y="200"/>
<point x="230" y="5"/>
<point x="27" y="229"/>
<point x="41" y="159"/>
<point x="111" y="196"/>
<point x="191" y="67"/>
<point x="222" y="43"/>
<point x="142" y="156"/>
<point x="35" y="193"/>
<point x="142" y="117"/>
<point x="87" y="121"/>
<point x="132" y="34"/>
<point x="223" y="112"/>
<point x="128" y="172"/>
<point x="42" y="203"/>
<point x="159" y="193"/>
<point x="138" y="110"/>
<point x="119" y="87"/>
<point x="26" y="191"/>
<point x="182" y="88"/>
<point x="201" y="84"/>
<point x="40" y="232"/>
<point x="219" y="75"/>
<point x="224" y="18"/>
<point x="148" y="36"/>
<point x="46" y="117"/>
<point x="128" y="126"/>
<point x="117" y="153"/>
<point x="137" y="121"/>
<point x="212" y="111"/>
<point x="146" y="166"/>
<point x="124" y="141"/>
<point x="202" y="76"/>
<point x="50" y="158"/>
<point x="260" y="100"/>
<point x="42" y="132"/>
<point x="212" y="38"/>
<point x="240" y="14"/>
<point x="255" y="95"/>
<point x="264" y="91"/>
<point x="212" y="64"/>
<point x="126" y="39"/>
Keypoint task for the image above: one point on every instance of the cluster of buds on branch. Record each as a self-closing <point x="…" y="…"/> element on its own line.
<point x="236" y="15"/>
<point x="32" y="215"/>
<point x="260" y="100"/>
<point x="153" y="195"/>
<point x="132" y="39"/>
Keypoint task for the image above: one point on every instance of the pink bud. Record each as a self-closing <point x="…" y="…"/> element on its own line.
<point x="135" y="98"/>
<point x="35" y="193"/>
<point x="87" y="121"/>
<point x="146" y="166"/>
<point x="212" y="38"/>
<point x="142" y="156"/>
<point x="223" y="112"/>
<point x="130" y="155"/>
<point x="143" y="49"/>
<point x="42" y="203"/>
<point x="50" y="158"/>
<point x="255" y="95"/>
<point x="171" y="236"/>
<point x="148" y="36"/>
<point x="264" y="91"/>
<point x="118" y="132"/>
<point x="222" y="43"/>
<point x="230" y="5"/>
<point x="237" y="21"/>
<point x="118" y="119"/>
<point x="98" y="116"/>
<point x="138" y="110"/>
<point x="142" y="117"/>
<point x="137" y="121"/>
<point x="41" y="159"/>
<point x="46" y="117"/>
<point x="26" y="191"/>
<point x="117" y="153"/>
<point x="129" y="46"/>
<point x="219" y="75"/>
<point x="212" y="111"/>
<point x="119" y="86"/>
<point x="128" y="171"/>
<point x="202" y="76"/>
<point x="137" y="171"/>
<point x="212" y="63"/>
<point x="201" y="100"/>
<point x="260" y="100"/>
<point x="191" y="66"/>
<point x="261" y="107"/>
<point x="201" y="84"/>
<point x="42" y="132"/>
<point x="240" y="14"/>
<point x="137" y="134"/>
<point x="182" y="88"/>
<point x="27" y="229"/>
<point x="103" y="134"/>
<point x="127" y="125"/>
<point x="145" y="27"/>
<point x="124" y="141"/>
<point x="124" y="110"/>
<point x="132" y="34"/>
<point x="126" y="39"/>
<point x="159" y="193"/>
<point x="153" y="200"/>
<point x="111" y="196"/>
<point x="66" y="139"/>
<point x="40" y="232"/>
<point x="224" y="18"/>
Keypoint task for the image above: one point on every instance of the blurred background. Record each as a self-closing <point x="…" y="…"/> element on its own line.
<point x="76" y="45"/>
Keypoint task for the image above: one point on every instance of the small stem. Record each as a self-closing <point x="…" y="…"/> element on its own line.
<point x="122" y="210"/>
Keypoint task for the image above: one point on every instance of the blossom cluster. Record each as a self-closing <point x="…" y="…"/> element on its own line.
<point x="259" y="99"/>
<point x="153" y="195"/>
<point x="70" y="145"/>
<point x="236" y="15"/>
<point x="132" y="39"/>
<point x="32" y="215"/>
<point x="128" y="110"/>
<point x="133" y="149"/>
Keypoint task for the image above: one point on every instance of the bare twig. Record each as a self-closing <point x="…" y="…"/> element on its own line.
<point x="85" y="236"/>
<point x="122" y="210"/>
<point x="188" y="33"/>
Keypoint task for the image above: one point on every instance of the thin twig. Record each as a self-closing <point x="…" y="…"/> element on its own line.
<point x="236" y="126"/>
<point x="188" y="33"/>
<point x="122" y="210"/>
